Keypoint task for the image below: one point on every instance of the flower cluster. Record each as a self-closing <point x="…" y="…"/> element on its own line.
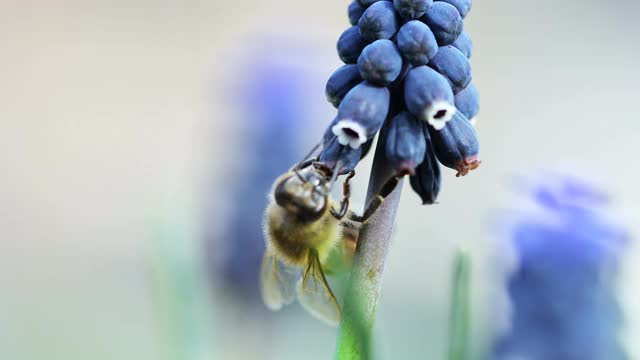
<point x="407" y="73"/>
<point x="562" y="290"/>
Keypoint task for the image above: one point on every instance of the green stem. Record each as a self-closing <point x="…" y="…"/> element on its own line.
<point x="460" y="308"/>
<point x="360" y="304"/>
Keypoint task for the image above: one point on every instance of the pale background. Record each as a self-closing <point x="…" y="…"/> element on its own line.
<point x="115" y="121"/>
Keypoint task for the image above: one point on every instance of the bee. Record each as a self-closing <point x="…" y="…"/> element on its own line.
<point x="302" y="226"/>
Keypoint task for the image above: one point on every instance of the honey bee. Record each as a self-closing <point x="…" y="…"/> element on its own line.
<point x="302" y="226"/>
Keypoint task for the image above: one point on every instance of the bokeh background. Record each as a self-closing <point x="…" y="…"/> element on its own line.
<point x="128" y="129"/>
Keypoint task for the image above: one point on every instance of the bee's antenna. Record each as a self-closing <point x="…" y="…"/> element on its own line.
<point x="313" y="150"/>
<point x="297" y="172"/>
<point x="304" y="161"/>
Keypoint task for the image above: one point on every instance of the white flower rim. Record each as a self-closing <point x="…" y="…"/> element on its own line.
<point x="431" y="111"/>
<point x="474" y="121"/>
<point x="347" y="139"/>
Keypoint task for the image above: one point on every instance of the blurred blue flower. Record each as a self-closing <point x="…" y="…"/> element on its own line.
<point x="271" y="100"/>
<point x="562" y="290"/>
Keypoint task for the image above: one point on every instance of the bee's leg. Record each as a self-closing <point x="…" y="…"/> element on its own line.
<point x="307" y="272"/>
<point x="346" y="194"/>
<point x="305" y="163"/>
<point x="344" y="208"/>
<point x="386" y="190"/>
<point x="315" y="265"/>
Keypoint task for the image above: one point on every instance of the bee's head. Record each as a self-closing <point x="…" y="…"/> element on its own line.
<point x="303" y="193"/>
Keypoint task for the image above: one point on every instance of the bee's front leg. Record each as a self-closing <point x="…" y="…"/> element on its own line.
<point x="346" y="194"/>
<point x="386" y="190"/>
<point x="305" y="164"/>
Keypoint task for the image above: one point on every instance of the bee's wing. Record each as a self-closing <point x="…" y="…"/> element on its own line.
<point x="341" y="256"/>
<point x="277" y="282"/>
<point x="316" y="296"/>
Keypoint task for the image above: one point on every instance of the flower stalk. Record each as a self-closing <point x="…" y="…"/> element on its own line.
<point x="365" y="281"/>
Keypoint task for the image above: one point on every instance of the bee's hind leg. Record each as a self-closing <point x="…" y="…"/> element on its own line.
<point x="346" y="194"/>
<point x="375" y="203"/>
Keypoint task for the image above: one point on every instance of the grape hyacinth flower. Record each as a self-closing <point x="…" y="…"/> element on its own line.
<point x="379" y="21"/>
<point x="405" y="143"/>
<point x="454" y="65"/>
<point x="412" y="9"/>
<point x="467" y="102"/>
<point x="456" y="145"/>
<point x="413" y="70"/>
<point x="350" y="45"/>
<point x="361" y="114"/>
<point x="417" y="43"/>
<point x="429" y="96"/>
<point x="445" y="21"/>
<point x="464" y="44"/>
<point x="463" y="6"/>
<point x="341" y="82"/>
<point x="355" y="12"/>
<point x="380" y="62"/>
<point x="562" y="290"/>
<point x="426" y="181"/>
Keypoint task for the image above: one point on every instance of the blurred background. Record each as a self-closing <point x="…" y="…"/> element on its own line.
<point x="138" y="140"/>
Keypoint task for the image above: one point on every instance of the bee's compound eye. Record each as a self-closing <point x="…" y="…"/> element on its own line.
<point x="286" y="190"/>
<point x="304" y="199"/>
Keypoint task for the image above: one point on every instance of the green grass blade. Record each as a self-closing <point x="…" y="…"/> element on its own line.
<point x="460" y="308"/>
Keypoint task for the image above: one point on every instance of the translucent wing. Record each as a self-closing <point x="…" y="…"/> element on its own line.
<point x="341" y="256"/>
<point x="277" y="282"/>
<point x="315" y="295"/>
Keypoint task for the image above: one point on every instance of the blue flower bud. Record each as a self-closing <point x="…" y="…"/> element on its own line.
<point x="355" y="12"/>
<point x="428" y="96"/>
<point x="366" y="3"/>
<point x="412" y="9"/>
<point x="457" y="145"/>
<point x="361" y="114"/>
<point x="350" y="45"/>
<point x="445" y="22"/>
<point x="463" y="6"/>
<point x="417" y="43"/>
<point x="426" y="181"/>
<point x="380" y="62"/>
<point x="379" y="21"/>
<point x="452" y="63"/>
<point x="464" y="44"/>
<point x="467" y="102"/>
<point x="340" y="82"/>
<point x="405" y="144"/>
